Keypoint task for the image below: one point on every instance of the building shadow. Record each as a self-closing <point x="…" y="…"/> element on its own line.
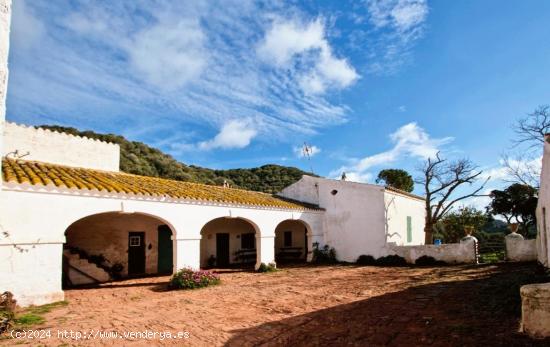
<point x="482" y="311"/>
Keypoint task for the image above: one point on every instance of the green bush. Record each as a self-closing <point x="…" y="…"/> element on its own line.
<point x="187" y="278"/>
<point x="271" y="267"/>
<point x="428" y="261"/>
<point x="365" y="260"/>
<point x="325" y="255"/>
<point x="391" y="260"/>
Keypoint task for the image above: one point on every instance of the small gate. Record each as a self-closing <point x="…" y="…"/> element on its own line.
<point x="491" y="249"/>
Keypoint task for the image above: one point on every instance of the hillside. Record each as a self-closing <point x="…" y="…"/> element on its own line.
<point x="141" y="159"/>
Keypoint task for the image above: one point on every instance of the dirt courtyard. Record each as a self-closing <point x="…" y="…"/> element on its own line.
<point x="328" y="305"/>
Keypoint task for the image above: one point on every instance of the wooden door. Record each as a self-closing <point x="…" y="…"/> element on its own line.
<point x="136" y="253"/>
<point x="222" y="250"/>
<point x="165" y="250"/>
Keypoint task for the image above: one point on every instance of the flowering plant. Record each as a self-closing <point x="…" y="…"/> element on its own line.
<point x="188" y="278"/>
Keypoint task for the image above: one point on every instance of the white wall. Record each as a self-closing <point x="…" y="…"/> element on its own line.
<point x="59" y="148"/>
<point x="5" y="20"/>
<point x="518" y="249"/>
<point x="354" y="220"/>
<point x="355" y="216"/>
<point x="398" y="208"/>
<point x="451" y="253"/>
<point x="543" y="209"/>
<point x="38" y="215"/>
<point x="32" y="273"/>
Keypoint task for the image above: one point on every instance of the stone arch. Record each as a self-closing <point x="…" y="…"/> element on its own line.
<point x="229" y="242"/>
<point x="293" y="241"/>
<point x="110" y="245"/>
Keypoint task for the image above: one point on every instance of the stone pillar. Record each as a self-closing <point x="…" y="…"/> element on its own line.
<point x="5" y="20"/>
<point x="535" y="309"/>
<point x="188" y="253"/>
<point x="266" y="251"/>
<point x="472" y="241"/>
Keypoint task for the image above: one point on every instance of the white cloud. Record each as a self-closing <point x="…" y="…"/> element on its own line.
<point x="403" y="15"/>
<point x="139" y="65"/>
<point x="402" y="108"/>
<point x="398" y="24"/>
<point x="304" y="49"/>
<point x="169" y="54"/>
<point x="26" y="28"/>
<point x="409" y="140"/>
<point x="233" y="134"/>
<point x="286" y="39"/>
<point x="300" y="153"/>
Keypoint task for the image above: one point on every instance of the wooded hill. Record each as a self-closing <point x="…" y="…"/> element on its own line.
<point x="141" y="159"/>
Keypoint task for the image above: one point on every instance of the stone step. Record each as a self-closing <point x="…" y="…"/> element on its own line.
<point x="83" y="266"/>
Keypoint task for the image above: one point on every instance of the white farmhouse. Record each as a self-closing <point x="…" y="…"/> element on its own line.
<point x="69" y="216"/>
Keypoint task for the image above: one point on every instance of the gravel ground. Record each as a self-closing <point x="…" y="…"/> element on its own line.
<point x="307" y="305"/>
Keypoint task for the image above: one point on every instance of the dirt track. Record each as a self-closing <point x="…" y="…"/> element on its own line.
<point x="332" y="305"/>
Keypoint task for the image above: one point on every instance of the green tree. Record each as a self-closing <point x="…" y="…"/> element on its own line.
<point x="452" y="225"/>
<point x="517" y="204"/>
<point x="396" y="178"/>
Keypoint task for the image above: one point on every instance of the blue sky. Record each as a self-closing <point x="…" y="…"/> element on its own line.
<point x="369" y="84"/>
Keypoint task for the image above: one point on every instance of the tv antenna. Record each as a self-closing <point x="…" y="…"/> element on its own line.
<point x="307" y="152"/>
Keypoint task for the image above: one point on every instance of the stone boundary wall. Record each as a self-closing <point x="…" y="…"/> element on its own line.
<point x="518" y="249"/>
<point x="452" y="253"/>
<point x="59" y="148"/>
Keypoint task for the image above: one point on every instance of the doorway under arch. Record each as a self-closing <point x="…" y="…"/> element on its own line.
<point x="114" y="245"/>
<point x="292" y="242"/>
<point x="228" y="243"/>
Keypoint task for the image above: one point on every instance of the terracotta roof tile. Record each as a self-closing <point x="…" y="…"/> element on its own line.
<point x="38" y="173"/>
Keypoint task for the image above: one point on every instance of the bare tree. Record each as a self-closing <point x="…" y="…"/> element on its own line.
<point x="440" y="180"/>
<point x="530" y="130"/>
<point x="524" y="170"/>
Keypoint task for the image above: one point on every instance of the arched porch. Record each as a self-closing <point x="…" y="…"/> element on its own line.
<point x="293" y="241"/>
<point x="229" y="242"/>
<point x="113" y="245"/>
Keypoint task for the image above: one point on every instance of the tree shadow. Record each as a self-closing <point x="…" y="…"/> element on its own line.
<point x="481" y="311"/>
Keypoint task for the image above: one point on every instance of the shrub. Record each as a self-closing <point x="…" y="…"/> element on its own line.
<point x="426" y="260"/>
<point x="7" y="307"/>
<point x="365" y="260"/>
<point x="187" y="278"/>
<point x="391" y="260"/>
<point x="271" y="267"/>
<point x="325" y="255"/>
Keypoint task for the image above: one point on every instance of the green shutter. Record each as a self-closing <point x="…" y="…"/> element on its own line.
<point x="409" y="229"/>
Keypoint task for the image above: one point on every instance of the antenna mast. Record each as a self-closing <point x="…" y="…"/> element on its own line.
<point x="307" y="151"/>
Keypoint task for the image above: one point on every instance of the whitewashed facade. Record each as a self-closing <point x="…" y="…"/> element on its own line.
<point x="543" y="208"/>
<point x="361" y="219"/>
<point x="39" y="220"/>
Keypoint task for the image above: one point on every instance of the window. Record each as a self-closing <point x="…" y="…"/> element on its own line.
<point x="248" y="241"/>
<point x="135" y="241"/>
<point x="288" y="238"/>
<point x="409" y="229"/>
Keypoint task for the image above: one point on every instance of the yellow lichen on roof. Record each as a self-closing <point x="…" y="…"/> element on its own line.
<point x="38" y="173"/>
